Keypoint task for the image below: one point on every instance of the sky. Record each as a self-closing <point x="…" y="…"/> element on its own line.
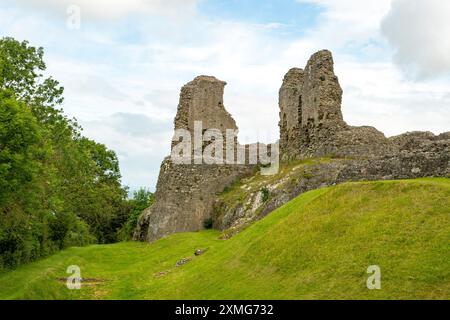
<point x="123" y="62"/>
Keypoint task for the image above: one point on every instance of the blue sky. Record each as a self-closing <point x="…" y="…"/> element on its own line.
<point x="123" y="69"/>
<point x="293" y="14"/>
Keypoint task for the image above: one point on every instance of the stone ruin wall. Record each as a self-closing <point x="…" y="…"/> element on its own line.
<point x="312" y="125"/>
<point x="202" y="100"/>
<point x="185" y="193"/>
<point x="311" y="121"/>
<point x="185" y="197"/>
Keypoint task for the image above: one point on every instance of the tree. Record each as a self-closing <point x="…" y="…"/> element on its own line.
<point x="21" y="67"/>
<point x="21" y="147"/>
<point x="142" y="199"/>
<point x="21" y="153"/>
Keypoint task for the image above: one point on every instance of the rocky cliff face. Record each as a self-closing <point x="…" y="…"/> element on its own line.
<point x="317" y="146"/>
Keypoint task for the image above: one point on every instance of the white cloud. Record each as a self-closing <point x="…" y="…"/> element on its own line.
<point x="137" y="141"/>
<point x="347" y="22"/>
<point x="367" y="12"/>
<point x="377" y="94"/>
<point x="418" y="31"/>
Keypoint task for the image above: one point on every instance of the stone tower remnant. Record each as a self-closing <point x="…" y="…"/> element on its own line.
<point x="311" y="121"/>
<point x="202" y="100"/>
<point x="185" y="192"/>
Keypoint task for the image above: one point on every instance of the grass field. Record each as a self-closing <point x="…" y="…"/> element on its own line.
<point x="317" y="246"/>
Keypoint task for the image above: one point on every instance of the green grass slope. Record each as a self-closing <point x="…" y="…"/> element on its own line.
<point x="317" y="246"/>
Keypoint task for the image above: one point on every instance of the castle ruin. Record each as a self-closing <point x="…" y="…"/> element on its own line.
<point x="311" y="125"/>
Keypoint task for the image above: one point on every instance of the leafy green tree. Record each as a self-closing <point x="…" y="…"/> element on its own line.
<point x="21" y="154"/>
<point x="21" y="147"/>
<point x="21" y="71"/>
<point x="57" y="188"/>
<point x="92" y="188"/>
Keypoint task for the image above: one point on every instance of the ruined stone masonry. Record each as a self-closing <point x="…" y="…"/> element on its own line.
<point x="311" y="126"/>
<point x="202" y="99"/>
<point x="311" y="121"/>
<point x="185" y="193"/>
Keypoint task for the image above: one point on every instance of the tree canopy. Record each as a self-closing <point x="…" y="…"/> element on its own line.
<point x="57" y="188"/>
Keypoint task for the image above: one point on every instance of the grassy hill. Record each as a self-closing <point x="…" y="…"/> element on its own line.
<point x="317" y="246"/>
